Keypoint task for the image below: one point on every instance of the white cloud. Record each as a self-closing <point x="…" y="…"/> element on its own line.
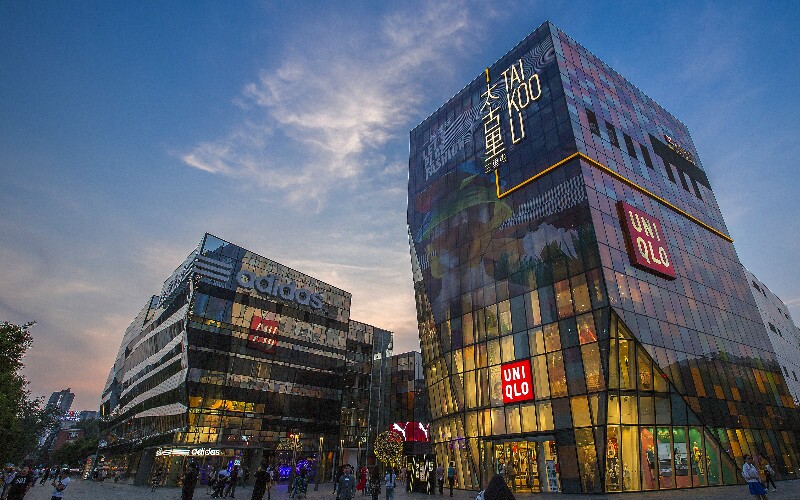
<point x="318" y="119"/>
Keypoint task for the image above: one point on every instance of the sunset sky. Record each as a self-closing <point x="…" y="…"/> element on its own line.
<point x="128" y="129"/>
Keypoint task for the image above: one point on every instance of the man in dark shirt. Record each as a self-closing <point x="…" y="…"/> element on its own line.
<point x="347" y="484"/>
<point x="189" y="482"/>
<point x="20" y="485"/>
<point x="260" y="484"/>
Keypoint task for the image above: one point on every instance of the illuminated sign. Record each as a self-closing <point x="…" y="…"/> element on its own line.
<point x="186" y="452"/>
<point x="270" y="285"/>
<point x="646" y="241"/>
<point x="520" y="91"/>
<point x="673" y="144"/>
<point x="412" y="431"/>
<point x="517" y="381"/>
<point x="263" y="334"/>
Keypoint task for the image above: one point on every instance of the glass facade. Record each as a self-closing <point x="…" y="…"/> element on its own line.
<point x="242" y="359"/>
<point x="561" y="218"/>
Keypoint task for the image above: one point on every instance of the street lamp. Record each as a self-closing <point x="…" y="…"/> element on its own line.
<point x="341" y="452"/>
<point x="320" y="470"/>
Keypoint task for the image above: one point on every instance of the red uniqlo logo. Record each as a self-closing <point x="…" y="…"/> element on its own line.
<point x="263" y="334"/>
<point x="647" y="243"/>
<point x="517" y="381"/>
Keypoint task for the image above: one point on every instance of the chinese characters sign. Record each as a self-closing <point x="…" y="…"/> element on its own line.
<point x="263" y="334"/>
<point x="517" y="381"/>
<point x="520" y="91"/>
<point x="647" y="246"/>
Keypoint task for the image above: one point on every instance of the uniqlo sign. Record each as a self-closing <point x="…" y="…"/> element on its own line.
<point x="646" y="241"/>
<point x="517" y="381"/>
<point x="263" y="334"/>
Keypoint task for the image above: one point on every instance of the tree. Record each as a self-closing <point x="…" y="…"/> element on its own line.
<point x="22" y="418"/>
<point x="75" y="453"/>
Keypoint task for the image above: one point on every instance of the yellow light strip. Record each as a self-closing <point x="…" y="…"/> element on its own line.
<point x="624" y="180"/>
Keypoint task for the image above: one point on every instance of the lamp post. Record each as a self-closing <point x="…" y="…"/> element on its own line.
<point x="320" y="467"/>
<point x="341" y="452"/>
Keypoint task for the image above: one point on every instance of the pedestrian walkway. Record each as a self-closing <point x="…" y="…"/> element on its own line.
<point x="87" y="490"/>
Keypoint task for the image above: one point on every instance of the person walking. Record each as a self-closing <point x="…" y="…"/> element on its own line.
<point x="432" y="482"/>
<point x="270" y="481"/>
<point x="259" y="482"/>
<point x="769" y="472"/>
<point x="451" y="476"/>
<point x="410" y="480"/>
<point x="753" y="478"/>
<point x="347" y="484"/>
<point x="46" y="475"/>
<point x="20" y="484"/>
<point x="233" y="480"/>
<point x="300" y="485"/>
<point x="60" y="484"/>
<point x="440" y="478"/>
<point x="189" y="481"/>
<point x="156" y="481"/>
<point x="511" y="473"/>
<point x="375" y="483"/>
<point x="391" y="482"/>
<point x="222" y="480"/>
<point x="362" y="480"/>
<point x="497" y="489"/>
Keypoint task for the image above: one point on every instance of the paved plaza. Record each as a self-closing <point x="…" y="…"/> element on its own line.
<point x="86" y="490"/>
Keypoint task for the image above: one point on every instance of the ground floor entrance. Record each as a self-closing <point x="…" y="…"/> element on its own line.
<point x="528" y="465"/>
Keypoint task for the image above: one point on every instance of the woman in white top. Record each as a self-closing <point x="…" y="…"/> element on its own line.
<point x="753" y="478"/>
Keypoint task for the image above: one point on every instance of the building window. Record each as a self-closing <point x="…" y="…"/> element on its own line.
<point x="646" y="156"/>
<point x="772" y="327"/>
<point x="669" y="172"/>
<point x="612" y="135"/>
<point x="784" y="371"/>
<point x="593" y="126"/>
<point x="629" y="145"/>
<point x="795" y="376"/>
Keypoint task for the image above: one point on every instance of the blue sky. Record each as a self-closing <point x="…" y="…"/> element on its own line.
<point x="128" y="129"/>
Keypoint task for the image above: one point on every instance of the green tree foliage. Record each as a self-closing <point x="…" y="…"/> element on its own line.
<point x="22" y="418"/>
<point x="75" y="453"/>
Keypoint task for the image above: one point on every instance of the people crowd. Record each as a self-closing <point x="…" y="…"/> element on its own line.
<point x="17" y="481"/>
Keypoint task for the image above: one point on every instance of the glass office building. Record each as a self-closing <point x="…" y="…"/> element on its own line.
<point x="585" y="322"/>
<point x="239" y="359"/>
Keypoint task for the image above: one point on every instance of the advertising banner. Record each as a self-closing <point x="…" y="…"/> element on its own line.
<point x="263" y="334"/>
<point x="517" y="381"/>
<point x="646" y="241"/>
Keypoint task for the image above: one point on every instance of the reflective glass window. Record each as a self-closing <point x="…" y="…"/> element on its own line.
<point x="586" y="329"/>
<point x="528" y="414"/>
<point x="541" y="381"/>
<point x="648" y="459"/>
<point x="563" y="299"/>
<point x="580" y="294"/>
<point x="580" y="411"/>
<point x="630" y="458"/>
<point x="544" y="411"/>
<point x="558" y="378"/>
<point x="592" y="367"/>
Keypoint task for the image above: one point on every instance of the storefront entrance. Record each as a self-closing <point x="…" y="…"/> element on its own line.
<point x="529" y="465"/>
